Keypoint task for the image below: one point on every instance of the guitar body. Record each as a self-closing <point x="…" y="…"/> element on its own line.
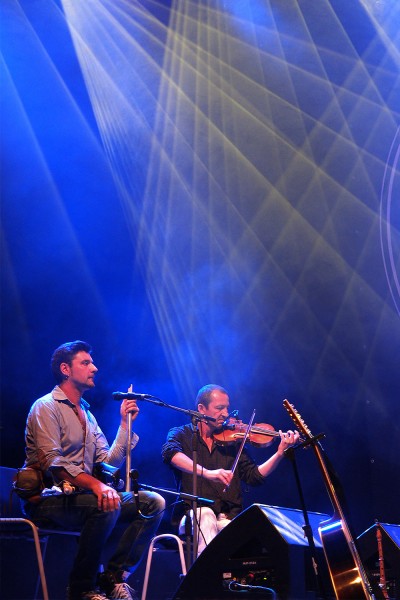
<point x="347" y="573"/>
<point x="342" y="564"/>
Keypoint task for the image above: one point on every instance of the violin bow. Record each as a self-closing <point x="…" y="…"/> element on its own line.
<point x="244" y="440"/>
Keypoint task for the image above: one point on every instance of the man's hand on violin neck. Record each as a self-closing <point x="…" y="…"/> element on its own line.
<point x="288" y="438"/>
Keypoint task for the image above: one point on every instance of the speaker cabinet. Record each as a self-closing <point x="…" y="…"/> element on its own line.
<point x="264" y="547"/>
<point x="367" y="544"/>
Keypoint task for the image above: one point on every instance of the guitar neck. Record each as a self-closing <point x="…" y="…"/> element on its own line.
<point x="338" y="520"/>
<point x="327" y="478"/>
<point x="332" y="490"/>
<point x="305" y="431"/>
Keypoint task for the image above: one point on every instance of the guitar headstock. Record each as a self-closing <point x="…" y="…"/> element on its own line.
<point x="296" y="418"/>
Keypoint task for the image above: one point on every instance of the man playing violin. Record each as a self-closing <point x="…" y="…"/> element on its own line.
<point x="216" y="480"/>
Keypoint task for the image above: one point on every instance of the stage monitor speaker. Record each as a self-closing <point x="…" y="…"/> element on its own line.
<point x="368" y="548"/>
<point x="263" y="547"/>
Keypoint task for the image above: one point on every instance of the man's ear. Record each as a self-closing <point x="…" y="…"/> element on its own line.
<point x="65" y="368"/>
<point x="201" y="408"/>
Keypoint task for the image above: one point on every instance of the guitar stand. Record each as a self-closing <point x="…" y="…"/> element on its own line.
<point x="308" y="533"/>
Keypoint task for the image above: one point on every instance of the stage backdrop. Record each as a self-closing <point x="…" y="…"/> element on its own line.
<point x="208" y="191"/>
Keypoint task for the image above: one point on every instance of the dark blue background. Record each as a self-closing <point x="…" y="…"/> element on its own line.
<point x="213" y="196"/>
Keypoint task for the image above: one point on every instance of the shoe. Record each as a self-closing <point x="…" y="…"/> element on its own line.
<point x="123" y="591"/>
<point x="94" y="595"/>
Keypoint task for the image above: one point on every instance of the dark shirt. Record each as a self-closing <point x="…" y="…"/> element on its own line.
<point x="180" y="439"/>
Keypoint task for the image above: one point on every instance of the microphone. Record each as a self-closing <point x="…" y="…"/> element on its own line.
<point x="130" y="396"/>
<point x="233" y="414"/>
<point x="134" y="475"/>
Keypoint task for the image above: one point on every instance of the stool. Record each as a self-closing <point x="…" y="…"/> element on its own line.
<point x="155" y="539"/>
<point x="15" y="526"/>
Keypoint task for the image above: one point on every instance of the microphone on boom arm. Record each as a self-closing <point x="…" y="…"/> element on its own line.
<point x="130" y="396"/>
<point x="134" y="475"/>
<point x="233" y="414"/>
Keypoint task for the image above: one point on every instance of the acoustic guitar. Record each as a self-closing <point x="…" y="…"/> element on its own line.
<point x="347" y="573"/>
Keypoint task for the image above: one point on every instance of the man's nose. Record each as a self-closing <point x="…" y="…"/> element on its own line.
<point x="94" y="368"/>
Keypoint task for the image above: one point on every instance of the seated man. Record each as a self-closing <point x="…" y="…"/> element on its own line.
<point x="215" y="480"/>
<point x="63" y="440"/>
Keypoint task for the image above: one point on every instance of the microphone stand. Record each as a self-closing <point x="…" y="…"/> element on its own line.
<point x="195" y="531"/>
<point x="290" y="454"/>
<point x="195" y="417"/>
<point x="128" y="459"/>
<point x="128" y="454"/>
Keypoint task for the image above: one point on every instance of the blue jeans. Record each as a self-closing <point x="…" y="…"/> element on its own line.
<point x="79" y="512"/>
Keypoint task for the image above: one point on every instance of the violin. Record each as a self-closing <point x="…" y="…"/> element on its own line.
<point x="260" y="435"/>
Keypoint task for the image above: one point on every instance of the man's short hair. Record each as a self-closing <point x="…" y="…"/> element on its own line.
<point x="204" y="393"/>
<point x="64" y="354"/>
